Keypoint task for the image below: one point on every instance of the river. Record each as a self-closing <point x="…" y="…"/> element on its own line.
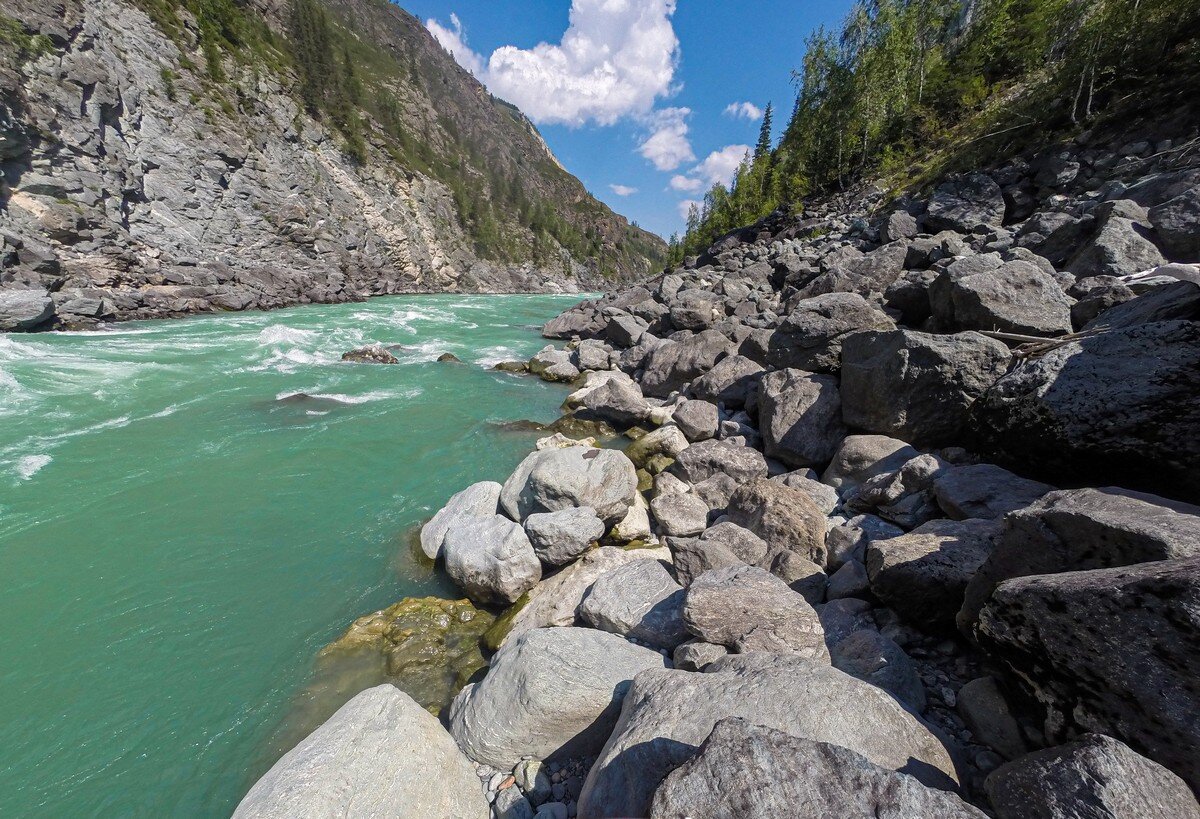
<point x="190" y="509"/>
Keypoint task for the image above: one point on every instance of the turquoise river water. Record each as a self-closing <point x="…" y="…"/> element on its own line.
<point x="180" y="534"/>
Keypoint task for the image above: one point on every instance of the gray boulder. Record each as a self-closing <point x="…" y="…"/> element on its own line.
<point x="1118" y="247"/>
<point x="923" y="575"/>
<point x="987" y="293"/>
<point x="560" y="537"/>
<point x="1094" y="777"/>
<point x="810" y="338"/>
<point x="730" y="382"/>
<point x="680" y="514"/>
<point x="1080" y="529"/>
<point x="553" y="692"/>
<point x="693" y="557"/>
<point x="746" y="609"/>
<point x="24" y="309"/>
<point x="754" y="772"/>
<point x="917" y="386"/>
<point x="861" y="457"/>
<point x="786" y="518"/>
<point x="618" y="402"/>
<point x="640" y="600"/>
<point x="702" y="460"/>
<point x="674" y="364"/>
<point x="491" y="559"/>
<point x="965" y="203"/>
<point x="668" y="714"/>
<point x="748" y="547"/>
<point x="1118" y="407"/>
<point x="480" y="500"/>
<point x="800" y="415"/>
<point x="1167" y="302"/>
<point x="850" y="580"/>
<point x="381" y="755"/>
<point x="985" y="710"/>
<point x="695" y="655"/>
<point x="904" y="497"/>
<point x="1108" y="650"/>
<point x="554" y="479"/>
<point x="849" y="540"/>
<point x="984" y="491"/>
<point x="871" y="657"/>
<point x="698" y="420"/>
<point x="823" y="495"/>
<point x="1177" y="223"/>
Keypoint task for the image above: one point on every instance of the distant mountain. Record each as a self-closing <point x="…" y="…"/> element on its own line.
<point x="173" y="156"/>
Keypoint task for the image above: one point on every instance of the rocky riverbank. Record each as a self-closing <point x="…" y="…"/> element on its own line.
<point x="901" y="526"/>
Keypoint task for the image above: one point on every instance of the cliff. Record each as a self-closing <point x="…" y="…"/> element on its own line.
<point x="165" y="157"/>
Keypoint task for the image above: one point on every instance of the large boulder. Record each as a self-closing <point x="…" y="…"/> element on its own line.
<point x="617" y="401"/>
<point x="698" y="420"/>
<point x="753" y="772"/>
<point x="1167" y="302"/>
<point x="703" y="460"/>
<point x="1177" y="223"/>
<point x="584" y="320"/>
<point x="923" y="575"/>
<point x="787" y="519"/>
<point x="560" y="537"/>
<point x="479" y="500"/>
<point x="1119" y="246"/>
<point x="746" y="609"/>
<point x="1094" y="776"/>
<point x="491" y="559"/>
<point x="552" y="692"/>
<point x="986" y="293"/>
<point x="917" y="386"/>
<point x="674" y="364"/>
<point x="1121" y="407"/>
<point x="381" y="755"/>
<point x="24" y="309"/>
<point x="555" y="479"/>
<point x="1079" y="529"/>
<point x="964" y="203"/>
<point x="984" y="491"/>
<point x="800" y="415"/>
<point x="668" y="714"/>
<point x="1108" y="650"/>
<point x="639" y="600"/>
<point x="730" y="382"/>
<point x="881" y="661"/>
<point x="555" y="601"/>
<point x="810" y="338"/>
<point x="680" y="514"/>
<point x="861" y="457"/>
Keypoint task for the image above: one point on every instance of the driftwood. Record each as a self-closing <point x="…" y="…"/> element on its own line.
<point x="1036" y="346"/>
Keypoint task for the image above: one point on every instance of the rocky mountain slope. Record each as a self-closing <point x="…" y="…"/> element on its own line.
<point x="879" y="539"/>
<point x="172" y="156"/>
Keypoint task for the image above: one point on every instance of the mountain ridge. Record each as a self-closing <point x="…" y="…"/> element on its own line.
<point x="164" y="157"/>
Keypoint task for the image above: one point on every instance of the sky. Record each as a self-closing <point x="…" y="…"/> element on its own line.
<point x="648" y="102"/>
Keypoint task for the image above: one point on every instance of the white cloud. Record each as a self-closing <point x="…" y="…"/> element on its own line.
<point x="686" y="184"/>
<point x="720" y="166"/>
<point x="616" y="58"/>
<point x="744" y="110"/>
<point x="622" y="190"/>
<point x="668" y="145"/>
<point x="454" y="40"/>
<point x="686" y="205"/>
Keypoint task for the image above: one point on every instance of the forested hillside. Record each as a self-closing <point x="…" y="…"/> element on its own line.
<point x="909" y="89"/>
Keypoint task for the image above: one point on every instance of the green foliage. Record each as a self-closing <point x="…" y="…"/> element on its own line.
<point x="908" y="87"/>
<point x="27" y="46"/>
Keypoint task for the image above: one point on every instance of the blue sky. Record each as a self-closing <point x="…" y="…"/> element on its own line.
<point x="634" y="96"/>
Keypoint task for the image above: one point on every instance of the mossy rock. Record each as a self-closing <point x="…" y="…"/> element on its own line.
<point x="513" y="367"/>
<point x="577" y="428"/>
<point x="493" y="638"/>
<point x="429" y="647"/>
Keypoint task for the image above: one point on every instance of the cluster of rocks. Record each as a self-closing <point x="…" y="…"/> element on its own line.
<point x="844" y="564"/>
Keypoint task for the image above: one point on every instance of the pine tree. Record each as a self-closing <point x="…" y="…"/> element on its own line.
<point x="763" y="149"/>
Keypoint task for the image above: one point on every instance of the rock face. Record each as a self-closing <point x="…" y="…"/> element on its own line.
<point x="1120" y="407"/>
<point x="480" y="500"/>
<point x="550" y="692"/>
<point x="1093" y="776"/>
<point x="750" y="771"/>
<point x="916" y="386"/>
<point x="381" y="755"/>
<point x="1108" y="650"/>
<point x="746" y="609"/>
<point x="556" y="479"/>
<point x="667" y="715"/>
<point x="801" y="417"/>
<point x="491" y="558"/>
<point x="141" y="187"/>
